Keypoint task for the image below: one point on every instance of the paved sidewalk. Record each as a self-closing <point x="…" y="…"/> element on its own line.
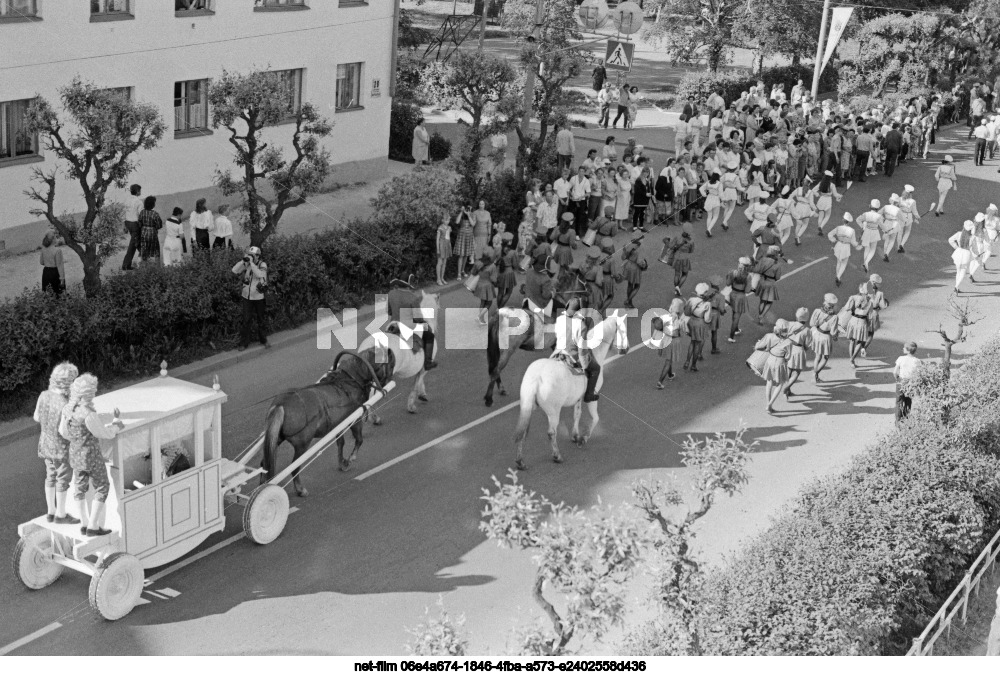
<point x="323" y="211"/>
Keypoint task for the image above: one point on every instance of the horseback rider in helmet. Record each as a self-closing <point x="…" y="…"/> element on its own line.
<point x="404" y="296"/>
<point x="569" y="330"/>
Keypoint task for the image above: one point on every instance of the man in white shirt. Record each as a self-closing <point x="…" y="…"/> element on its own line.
<point x="565" y="147"/>
<point x="547" y="216"/>
<point x="991" y="135"/>
<point x="561" y="188"/>
<point x="605" y="98"/>
<point x="980" y="132"/>
<point x="716" y="102"/>
<point x="906" y="367"/>
<point x="133" y="205"/>
<point x="579" y="197"/>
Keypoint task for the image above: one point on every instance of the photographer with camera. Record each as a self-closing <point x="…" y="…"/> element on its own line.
<point x="254" y="271"/>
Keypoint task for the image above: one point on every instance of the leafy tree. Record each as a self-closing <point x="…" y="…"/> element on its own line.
<point x="438" y="636"/>
<point x="720" y="466"/>
<point x="779" y="27"/>
<point x="98" y="151"/>
<point x="410" y="36"/>
<point x="586" y="557"/>
<point x="246" y="105"/>
<point x="419" y="198"/>
<point x="696" y="29"/>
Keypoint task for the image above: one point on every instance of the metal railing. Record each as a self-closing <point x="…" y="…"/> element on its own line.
<point x="957" y="602"/>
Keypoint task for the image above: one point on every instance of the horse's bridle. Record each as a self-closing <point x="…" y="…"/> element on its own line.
<point x="377" y="384"/>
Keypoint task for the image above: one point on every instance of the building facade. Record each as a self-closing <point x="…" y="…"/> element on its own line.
<point x="335" y="54"/>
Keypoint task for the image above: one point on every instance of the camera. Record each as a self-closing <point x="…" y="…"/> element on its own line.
<point x="246" y="258"/>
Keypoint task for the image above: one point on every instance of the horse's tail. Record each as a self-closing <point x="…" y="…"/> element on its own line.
<point x="493" y="343"/>
<point x="272" y="437"/>
<point x="529" y="392"/>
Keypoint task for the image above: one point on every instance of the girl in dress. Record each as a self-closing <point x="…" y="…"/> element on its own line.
<point x="757" y="212"/>
<point x="947" y="180"/>
<point x="565" y="242"/>
<point x="800" y="338"/>
<point x="718" y="302"/>
<point x="525" y="232"/>
<point x="769" y="269"/>
<point x="486" y="289"/>
<point x="680" y="188"/>
<point x="150" y="224"/>
<point x="712" y="193"/>
<point x="633" y="272"/>
<point x="663" y="192"/>
<point x="856" y="310"/>
<point x="908" y="214"/>
<point x="843" y="238"/>
<point x="673" y="324"/>
<point x="222" y="232"/>
<point x="824" y="193"/>
<point x="608" y="189"/>
<point x="174" y="235"/>
<point x="506" y="272"/>
<point x="871" y="231"/>
<point x="642" y="192"/>
<point x="756" y="183"/>
<point x="464" y="246"/>
<point x="730" y="192"/>
<point x="715" y="126"/>
<point x="781" y="208"/>
<point x="444" y="251"/>
<point x="774" y="372"/>
<point x="611" y="273"/>
<point x="979" y="245"/>
<point x="623" y="197"/>
<point x="699" y="313"/>
<point x="682" y="247"/>
<point x="824" y="324"/>
<point x="534" y="198"/>
<point x="482" y="225"/>
<point x="992" y="227"/>
<point x="802" y="209"/>
<point x="961" y="241"/>
<point x="738" y="281"/>
<point x="874" y="317"/>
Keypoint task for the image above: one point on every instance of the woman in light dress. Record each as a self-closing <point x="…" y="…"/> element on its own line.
<point x="464" y="242"/>
<point x="961" y="241"/>
<point x="992" y="227"/>
<point x="482" y="225"/>
<point x="730" y="192"/>
<point x="681" y="132"/>
<point x="672" y="345"/>
<point x="173" y="235"/>
<point x="782" y="210"/>
<point x="824" y="324"/>
<point x="802" y="209"/>
<point x="825" y="192"/>
<point x="222" y="233"/>
<point x="712" y="193"/>
<point x="623" y="197"/>
<point x="800" y="338"/>
<point x="774" y="372"/>
<point x="421" y="143"/>
<point x="610" y="150"/>
<point x="534" y="197"/>
<point x="879" y="303"/>
<point x="947" y="180"/>
<point x="444" y="251"/>
<point x="856" y="310"/>
<point x="609" y="190"/>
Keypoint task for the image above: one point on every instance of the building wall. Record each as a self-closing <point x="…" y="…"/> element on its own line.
<point x="157" y="49"/>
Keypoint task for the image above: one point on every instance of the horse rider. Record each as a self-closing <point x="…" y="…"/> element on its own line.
<point x="569" y="331"/>
<point x="404" y="296"/>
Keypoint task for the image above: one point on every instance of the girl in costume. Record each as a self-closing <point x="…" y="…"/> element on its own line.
<point x="824" y="324"/>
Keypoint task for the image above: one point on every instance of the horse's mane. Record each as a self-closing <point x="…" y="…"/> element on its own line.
<point x="350" y="370"/>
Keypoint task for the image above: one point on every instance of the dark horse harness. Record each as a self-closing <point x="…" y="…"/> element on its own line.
<point x="376" y="384"/>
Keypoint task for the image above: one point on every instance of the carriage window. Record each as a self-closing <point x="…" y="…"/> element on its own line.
<point x="177" y="445"/>
<point x="212" y="451"/>
<point x="136" y="464"/>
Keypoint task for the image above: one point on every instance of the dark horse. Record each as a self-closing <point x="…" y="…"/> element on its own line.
<point x="300" y="415"/>
<point x="569" y="284"/>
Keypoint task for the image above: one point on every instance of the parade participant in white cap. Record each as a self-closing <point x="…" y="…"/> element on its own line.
<point x="730" y="191"/>
<point x="962" y="255"/>
<point x="712" y="192"/>
<point x="874" y="317"/>
<point x="979" y="246"/>
<point x="801" y="339"/>
<point x="824" y="331"/>
<point x="908" y="214"/>
<point x="824" y="193"/>
<point x="992" y="227"/>
<point x="891" y="214"/>
<point x="802" y="209"/>
<point x="947" y="180"/>
<point x="672" y="325"/>
<point x="756" y="182"/>
<point x="774" y="371"/>
<point x="756" y="212"/>
<point x="781" y="209"/>
<point x="857" y="308"/>
<point x="699" y="312"/>
<point x="871" y="234"/>
<point x="769" y="269"/>
<point x="738" y="281"/>
<point x="843" y="237"/>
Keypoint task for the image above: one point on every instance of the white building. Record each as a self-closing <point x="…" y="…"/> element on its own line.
<point x="336" y="54"/>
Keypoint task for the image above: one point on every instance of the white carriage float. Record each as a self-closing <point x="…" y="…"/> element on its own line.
<point x="156" y="513"/>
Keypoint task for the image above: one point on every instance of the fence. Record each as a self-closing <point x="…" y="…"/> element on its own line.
<point x="957" y="602"/>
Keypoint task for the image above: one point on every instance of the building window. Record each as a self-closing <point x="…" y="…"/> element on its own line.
<point x="14" y="142"/>
<point x="190" y="107"/>
<point x="13" y="11"/>
<point x="110" y="10"/>
<point x="187" y="8"/>
<point x="278" y="5"/>
<point x="353" y="3"/>
<point x="291" y="82"/>
<point x="348" y="86"/>
<point x="125" y="93"/>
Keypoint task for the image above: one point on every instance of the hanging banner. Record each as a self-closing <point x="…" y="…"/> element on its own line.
<point x="838" y="22"/>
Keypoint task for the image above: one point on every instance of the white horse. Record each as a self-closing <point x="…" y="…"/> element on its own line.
<point x="551" y="385"/>
<point x="409" y="363"/>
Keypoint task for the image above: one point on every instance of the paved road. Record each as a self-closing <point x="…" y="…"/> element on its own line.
<point x="368" y="552"/>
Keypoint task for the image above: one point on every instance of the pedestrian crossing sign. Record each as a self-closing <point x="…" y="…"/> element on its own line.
<point x="619" y="56"/>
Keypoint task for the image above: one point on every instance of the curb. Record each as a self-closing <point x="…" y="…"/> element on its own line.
<point x="16" y="430"/>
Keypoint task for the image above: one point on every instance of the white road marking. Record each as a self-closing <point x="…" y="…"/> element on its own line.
<point x="462" y="429"/>
<point x="41" y="632"/>
<point x="807" y="265"/>
<point x="171" y="593"/>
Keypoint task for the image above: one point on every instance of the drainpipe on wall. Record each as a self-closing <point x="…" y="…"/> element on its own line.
<point x="395" y="41"/>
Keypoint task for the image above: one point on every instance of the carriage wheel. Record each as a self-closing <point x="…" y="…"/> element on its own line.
<point x="266" y="513"/>
<point x="116" y="586"/>
<point x="32" y="561"/>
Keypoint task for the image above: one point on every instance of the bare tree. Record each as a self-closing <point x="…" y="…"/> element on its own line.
<point x="965" y="318"/>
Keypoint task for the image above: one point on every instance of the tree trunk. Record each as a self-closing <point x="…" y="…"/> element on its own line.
<point x="760" y="63"/>
<point x="796" y="59"/>
<point x="91" y="273"/>
<point x="946" y="359"/>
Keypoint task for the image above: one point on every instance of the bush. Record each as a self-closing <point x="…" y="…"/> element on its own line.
<point x="731" y="83"/>
<point x="439" y="148"/>
<point x="185" y="312"/>
<point x="402" y="122"/>
<point x="859" y="562"/>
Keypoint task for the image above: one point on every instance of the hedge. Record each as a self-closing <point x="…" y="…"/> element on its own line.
<point x="859" y="562"/>
<point x="190" y="310"/>
<point x="731" y="83"/>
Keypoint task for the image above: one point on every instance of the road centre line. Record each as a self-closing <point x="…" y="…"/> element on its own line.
<point x="807" y="265"/>
<point x="41" y="632"/>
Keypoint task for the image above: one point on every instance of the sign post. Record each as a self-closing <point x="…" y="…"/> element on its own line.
<point x="618" y="56"/>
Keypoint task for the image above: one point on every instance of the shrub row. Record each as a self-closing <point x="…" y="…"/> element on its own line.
<point x="731" y="83"/>
<point x="860" y="561"/>
<point x="189" y="310"/>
